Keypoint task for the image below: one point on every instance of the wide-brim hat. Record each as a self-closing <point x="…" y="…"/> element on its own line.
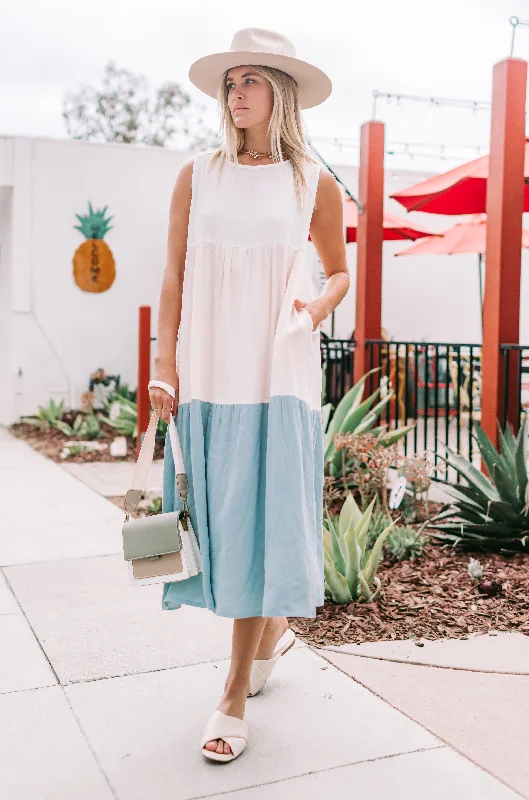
<point x="259" y="46"/>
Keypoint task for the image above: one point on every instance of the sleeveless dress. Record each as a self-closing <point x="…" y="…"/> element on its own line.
<point x="250" y="381"/>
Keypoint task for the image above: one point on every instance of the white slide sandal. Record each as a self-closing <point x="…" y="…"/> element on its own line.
<point x="232" y="730"/>
<point x="262" y="668"/>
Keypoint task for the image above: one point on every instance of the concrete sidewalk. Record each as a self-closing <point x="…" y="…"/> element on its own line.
<point x="104" y="695"/>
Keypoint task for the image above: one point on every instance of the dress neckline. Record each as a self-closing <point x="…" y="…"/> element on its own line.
<point x="260" y="166"/>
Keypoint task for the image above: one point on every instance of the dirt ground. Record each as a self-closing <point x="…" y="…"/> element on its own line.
<point x="433" y="597"/>
<point x="51" y="442"/>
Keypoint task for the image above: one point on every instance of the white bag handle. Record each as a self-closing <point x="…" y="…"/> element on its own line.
<point x="141" y="470"/>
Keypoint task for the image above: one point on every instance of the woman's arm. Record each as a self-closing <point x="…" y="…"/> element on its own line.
<point x="327" y="233"/>
<point x="170" y="304"/>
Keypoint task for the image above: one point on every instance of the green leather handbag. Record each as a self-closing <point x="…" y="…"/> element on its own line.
<point x="163" y="547"/>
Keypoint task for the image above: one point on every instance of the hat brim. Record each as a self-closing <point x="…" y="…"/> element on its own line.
<point x="314" y="86"/>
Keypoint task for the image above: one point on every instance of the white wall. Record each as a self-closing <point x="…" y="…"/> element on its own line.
<point x="53" y="334"/>
<point x="60" y="334"/>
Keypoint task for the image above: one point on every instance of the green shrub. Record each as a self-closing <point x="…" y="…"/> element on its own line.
<point x="489" y="513"/>
<point x="50" y="417"/>
<point x="404" y="542"/>
<point x="349" y="565"/>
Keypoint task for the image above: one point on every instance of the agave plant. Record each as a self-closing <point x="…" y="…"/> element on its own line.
<point x="354" y="416"/>
<point x="122" y="414"/>
<point x="490" y="513"/>
<point x="349" y="566"/>
<point x="87" y="426"/>
<point x="49" y="417"/>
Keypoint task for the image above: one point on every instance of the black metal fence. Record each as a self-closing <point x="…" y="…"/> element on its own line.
<point x="515" y="370"/>
<point x="436" y="387"/>
<point x="337" y="359"/>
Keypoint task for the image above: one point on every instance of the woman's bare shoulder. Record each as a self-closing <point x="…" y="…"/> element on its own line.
<point x="184" y="177"/>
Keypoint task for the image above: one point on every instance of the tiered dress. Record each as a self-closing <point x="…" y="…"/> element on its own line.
<point x="249" y="412"/>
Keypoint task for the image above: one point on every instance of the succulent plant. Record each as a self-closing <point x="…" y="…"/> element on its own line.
<point x="404" y="542"/>
<point x="475" y="570"/>
<point x="489" y="513"/>
<point x="350" y="567"/>
<point x="49" y="417"/>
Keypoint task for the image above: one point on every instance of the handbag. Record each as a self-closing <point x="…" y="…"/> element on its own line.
<point x="162" y="547"/>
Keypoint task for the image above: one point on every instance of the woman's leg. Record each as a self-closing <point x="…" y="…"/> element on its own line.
<point x="253" y="637"/>
<point x="273" y="631"/>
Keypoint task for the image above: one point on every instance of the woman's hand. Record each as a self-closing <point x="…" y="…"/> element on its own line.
<point x="315" y="309"/>
<point x="161" y="401"/>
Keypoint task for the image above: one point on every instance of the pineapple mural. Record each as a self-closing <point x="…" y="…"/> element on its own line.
<point x="94" y="267"/>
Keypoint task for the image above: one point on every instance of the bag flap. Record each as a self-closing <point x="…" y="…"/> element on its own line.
<point x="151" y="536"/>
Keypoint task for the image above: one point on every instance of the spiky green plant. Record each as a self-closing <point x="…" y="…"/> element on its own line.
<point x="404" y="542"/>
<point x="378" y="523"/>
<point x="349" y="566"/>
<point x="354" y="416"/>
<point x="490" y="514"/>
<point x="87" y="426"/>
<point x="49" y="417"/>
<point x="155" y="507"/>
<point x="122" y="414"/>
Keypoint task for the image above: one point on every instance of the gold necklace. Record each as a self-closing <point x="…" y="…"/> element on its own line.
<point x="255" y="154"/>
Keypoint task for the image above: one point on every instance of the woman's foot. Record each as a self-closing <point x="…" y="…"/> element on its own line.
<point x="232" y="702"/>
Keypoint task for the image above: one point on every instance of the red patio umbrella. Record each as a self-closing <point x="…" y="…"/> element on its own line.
<point x="465" y="237"/>
<point x="462" y="190"/>
<point x="395" y="228"/>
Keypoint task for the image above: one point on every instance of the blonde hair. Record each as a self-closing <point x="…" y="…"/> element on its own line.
<point x="286" y="128"/>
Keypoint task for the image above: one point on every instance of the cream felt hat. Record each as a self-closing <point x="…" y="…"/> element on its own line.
<point x="267" y="48"/>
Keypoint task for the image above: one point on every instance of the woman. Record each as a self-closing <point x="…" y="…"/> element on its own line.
<point x="237" y="301"/>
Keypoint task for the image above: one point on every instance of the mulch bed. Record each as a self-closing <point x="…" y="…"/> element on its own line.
<point x="51" y="442"/>
<point x="432" y="597"/>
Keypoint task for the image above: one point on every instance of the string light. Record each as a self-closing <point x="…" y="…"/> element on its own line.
<point x="411" y="150"/>
<point x="454" y="102"/>
<point x="515" y="21"/>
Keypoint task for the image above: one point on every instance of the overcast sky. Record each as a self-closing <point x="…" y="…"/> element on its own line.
<point x="441" y="48"/>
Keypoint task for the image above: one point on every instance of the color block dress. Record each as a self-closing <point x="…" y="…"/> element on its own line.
<point x="249" y="413"/>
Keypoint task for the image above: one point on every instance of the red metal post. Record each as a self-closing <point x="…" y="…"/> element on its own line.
<point x="144" y="372"/>
<point x="505" y="189"/>
<point x="370" y="234"/>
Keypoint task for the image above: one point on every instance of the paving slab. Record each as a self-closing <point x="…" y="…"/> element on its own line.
<point x="23" y="665"/>
<point x="47" y="541"/>
<point x="501" y="651"/>
<point x="113" y="478"/>
<point x="8" y="602"/>
<point x="482" y="715"/>
<point x="43" y="753"/>
<point x="55" y="516"/>
<point x="435" y="774"/>
<point x="92" y="623"/>
<point x="145" y="728"/>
